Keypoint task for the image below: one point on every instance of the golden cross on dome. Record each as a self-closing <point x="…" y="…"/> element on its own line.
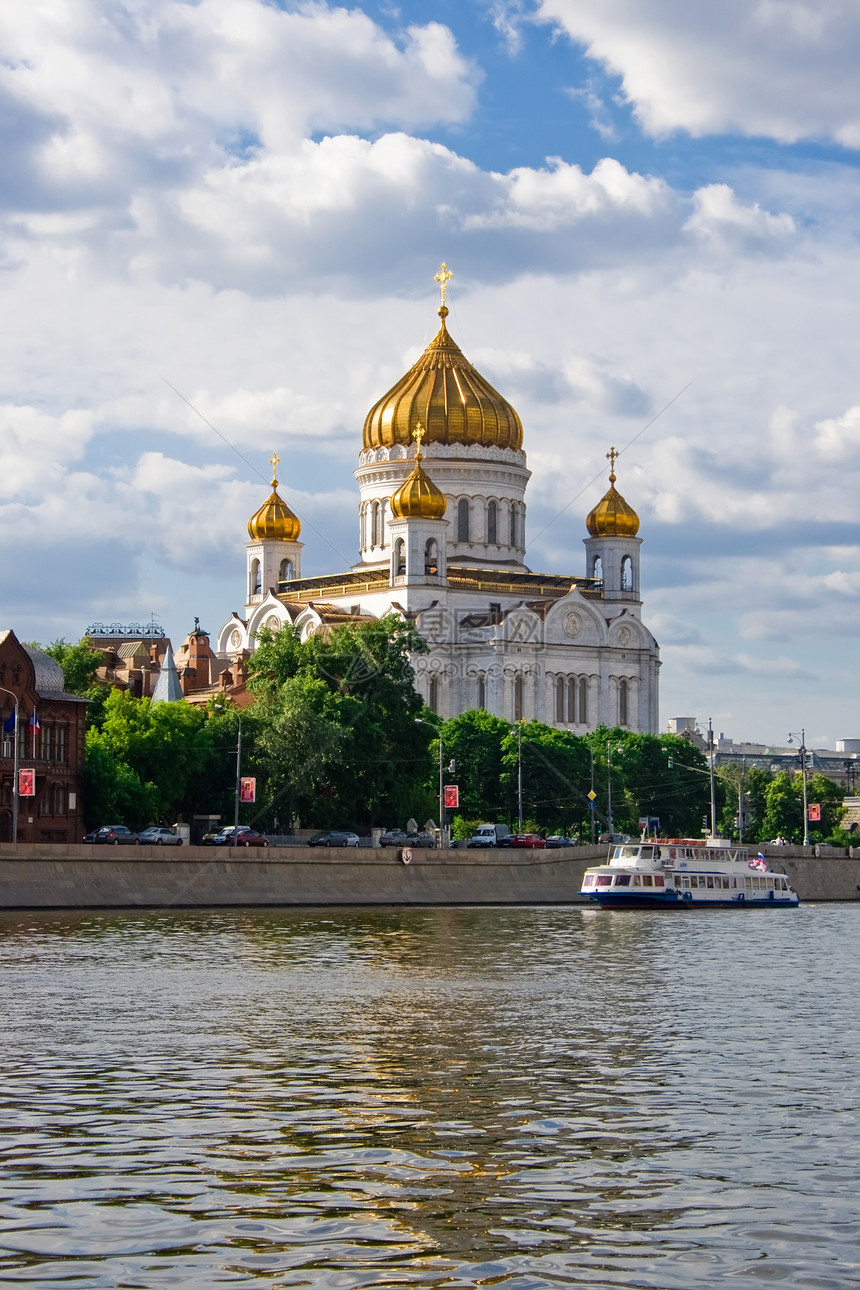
<point x="612" y="456"/>
<point x="418" y="434"/>
<point x="274" y="462"/>
<point x="443" y="277"/>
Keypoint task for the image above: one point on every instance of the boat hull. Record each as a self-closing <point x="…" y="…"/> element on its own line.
<point x="672" y="900"/>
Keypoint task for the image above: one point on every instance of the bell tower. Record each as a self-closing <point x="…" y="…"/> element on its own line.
<point x="612" y="547"/>
<point x="274" y="553"/>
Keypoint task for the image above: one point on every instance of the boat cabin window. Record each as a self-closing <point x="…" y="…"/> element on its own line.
<point x="622" y="880"/>
<point x="647" y="880"/>
<point x="604" y="879"/>
<point x="588" y="880"/>
<point x="658" y="880"/>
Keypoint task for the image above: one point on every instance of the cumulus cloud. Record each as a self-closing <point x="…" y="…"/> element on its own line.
<point x="785" y="69"/>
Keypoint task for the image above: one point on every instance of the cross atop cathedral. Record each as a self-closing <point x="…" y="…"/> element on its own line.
<point x="418" y="434"/>
<point x="443" y="277"/>
<point x="612" y="456"/>
<point x="274" y="461"/>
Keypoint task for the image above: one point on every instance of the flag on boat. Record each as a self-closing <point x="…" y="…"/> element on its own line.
<point x="9" y="723"/>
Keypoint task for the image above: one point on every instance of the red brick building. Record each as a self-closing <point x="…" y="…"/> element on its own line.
<point x="54" y="751"/>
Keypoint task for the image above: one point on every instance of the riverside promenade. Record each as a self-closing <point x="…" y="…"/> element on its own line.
<point x="50" y="876"/>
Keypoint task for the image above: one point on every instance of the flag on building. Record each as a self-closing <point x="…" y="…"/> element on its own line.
<point x="9" y="723"/>
<point x="34" y="722"/>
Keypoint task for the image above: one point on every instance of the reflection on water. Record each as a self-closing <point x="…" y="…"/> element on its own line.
<point x="346" y="1098"/>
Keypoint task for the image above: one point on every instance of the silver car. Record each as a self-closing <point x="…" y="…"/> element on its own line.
<point x="159" y="837"/>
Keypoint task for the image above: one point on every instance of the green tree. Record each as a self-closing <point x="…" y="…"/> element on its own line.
<point x="80" y="663"/>
<point x="783" y="815"/>
<point x="556" y="771"/>
<point x="830" y="797"/>
<point x="147" y="762"/>
<point x="337" y="726"/>
<point x="751" y="782"/>
<point x="473" y="741"/>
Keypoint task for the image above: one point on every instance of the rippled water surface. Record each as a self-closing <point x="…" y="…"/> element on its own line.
<point x="449" y="1097"/>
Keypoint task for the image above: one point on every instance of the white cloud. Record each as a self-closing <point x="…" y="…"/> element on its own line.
<point x="757" y="67"/>
<point x="728" y="225"/>
<point x="109" y="97"/>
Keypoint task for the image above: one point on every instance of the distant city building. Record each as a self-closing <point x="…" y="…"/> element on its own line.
<point x="442" y="479"/>
<point x="841" y="764"/>
<point x="51" y="726"/>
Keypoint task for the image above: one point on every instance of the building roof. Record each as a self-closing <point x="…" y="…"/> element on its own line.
<point x="449" y="397"/>
<point x="167" y="687"/>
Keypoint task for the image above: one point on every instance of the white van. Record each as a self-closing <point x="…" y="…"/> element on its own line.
<point x="490" y="835"/>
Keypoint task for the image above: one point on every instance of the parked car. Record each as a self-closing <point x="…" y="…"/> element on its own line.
<point x="334" y="838"/>
<point x="243" y="836"/>
<point x="490" y="835"/>
<point x="558" y="840"/>
<point x="420" y="839"/>
<point x="112" y="835"/>
<point x="531" y="840"/>
<point x="159" y="837"/>
<point x="394" y="838"/>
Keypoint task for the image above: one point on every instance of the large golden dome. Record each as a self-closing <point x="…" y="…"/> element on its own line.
<point x="418" y="497"/>
<point x="274" y="521"/>
<point x="449" y="397"/>
<point x="612" y="516"/>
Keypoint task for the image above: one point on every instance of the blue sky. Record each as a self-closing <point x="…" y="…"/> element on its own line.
<point x="249" y="201"/>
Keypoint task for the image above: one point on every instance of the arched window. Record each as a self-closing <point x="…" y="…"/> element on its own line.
<point x="627" y="574"/>
<point x="622" y="703"/>
<point x="285" y="573"/>
<point x="559" y="698"/>
<point x="492" y="523"/>
<point x="375" y="525"/>
<point x="463" y="520"/>
<point x="431" y="557"/>
<point x="513" y="524"/>
<point x="482" y="692"/>
<point x="255" y="585"/>
<point x="433" y="694"/>
<point x="583" y="701"/>
<point x="518" y="698"/>
<point x="597" y="569"/>
<point x="572" y="686"/>
<point x="399" y="558"/>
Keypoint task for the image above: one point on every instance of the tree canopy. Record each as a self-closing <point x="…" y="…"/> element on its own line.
<point x="338" y="730"/>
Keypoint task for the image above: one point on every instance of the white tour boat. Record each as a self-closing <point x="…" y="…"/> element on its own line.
<point x="677" y="873"/>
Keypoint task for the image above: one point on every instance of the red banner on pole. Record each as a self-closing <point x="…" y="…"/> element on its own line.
<point x="26" y="783"/>
<point x="248" y="789"/>
<point x="452" y="796"/>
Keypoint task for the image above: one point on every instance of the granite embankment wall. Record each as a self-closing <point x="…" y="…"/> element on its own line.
<point x="34" y="876"/>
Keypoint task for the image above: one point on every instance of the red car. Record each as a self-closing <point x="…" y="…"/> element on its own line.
<point x="531" y="840"/>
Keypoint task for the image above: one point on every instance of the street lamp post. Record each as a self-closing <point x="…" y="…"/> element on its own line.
<point x="591" y="798"/>
<point x="238" y="767"/>
<point x="802" y="754"/>
<point x="712" y="756"/>
<point x="14" y="699"/>
<point x="609" y="819"/>
<point x="520" y="775"/>
<point x="421" y="722"/>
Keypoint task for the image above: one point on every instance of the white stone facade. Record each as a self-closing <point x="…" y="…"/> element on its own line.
<point x="568" y="650"/>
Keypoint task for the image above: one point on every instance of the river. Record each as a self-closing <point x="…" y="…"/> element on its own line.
<point x="517" y="1097"/>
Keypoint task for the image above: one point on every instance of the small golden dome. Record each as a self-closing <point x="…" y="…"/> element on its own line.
<point x="612" y="516"/>
<point x="445" y="392"/>
<point x="418" y="497"/>
<point x="274" y="521"/>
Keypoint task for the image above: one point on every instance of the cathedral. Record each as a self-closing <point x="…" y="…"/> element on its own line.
<point x="442" y="479"/>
